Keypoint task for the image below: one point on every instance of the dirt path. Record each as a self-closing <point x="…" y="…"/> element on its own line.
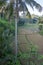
<point x="37" y="39"/>
<point x="33" y="36"/>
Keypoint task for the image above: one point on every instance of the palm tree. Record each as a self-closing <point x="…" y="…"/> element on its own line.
<point x="20" y="5"/>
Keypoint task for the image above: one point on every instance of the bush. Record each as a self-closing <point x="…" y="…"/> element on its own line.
<point x="32" y="57"/>
<point x="6" y="37"/>
<point x="40" y="27"/>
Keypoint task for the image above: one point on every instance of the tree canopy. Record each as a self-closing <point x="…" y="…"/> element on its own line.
<point x="21" y="5"/>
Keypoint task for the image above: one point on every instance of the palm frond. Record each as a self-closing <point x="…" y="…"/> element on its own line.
<point x="23" y="8"/>
<point x="33" y="3"/>
<point x="22" y="5"/>
<point x="28" y="13"/>
<point x="38" y="6"/>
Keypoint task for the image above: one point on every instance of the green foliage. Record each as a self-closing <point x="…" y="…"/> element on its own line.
<point x="32" y="57"/>
<point x="6" y="38"/>
<point x="41" y="32"/>
<point x="40" y="57"/>
<point x="7" y="24"/>
<point x="40" y="19"/>
<point x="2" y="2"/>
<point x="41" y="29"/>
<point x="6" y="55"/>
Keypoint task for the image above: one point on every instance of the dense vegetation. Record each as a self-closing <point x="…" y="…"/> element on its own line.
<point x="41" y="29"/>
<point x="40" y="19"/>
<point x="7" y="57"/>
<point x="7" y="34"/>
<point x="6" y="37"/>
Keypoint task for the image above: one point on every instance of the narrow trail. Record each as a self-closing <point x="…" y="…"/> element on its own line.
<point x="33" y="37"/>
<point x="26" y="37"/>
<point x="37" y="39"/>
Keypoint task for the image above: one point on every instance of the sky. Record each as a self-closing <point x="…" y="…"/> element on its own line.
<point x="36" y="12"/>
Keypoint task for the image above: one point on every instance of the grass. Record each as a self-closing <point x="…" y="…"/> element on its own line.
<point x="31" y="25"/>
<point x="27" y="26"/>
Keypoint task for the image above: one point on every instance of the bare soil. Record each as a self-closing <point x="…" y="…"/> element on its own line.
<point x="32" y="36"/>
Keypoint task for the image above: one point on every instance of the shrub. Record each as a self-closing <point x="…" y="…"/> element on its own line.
<point x="6" y="37"/>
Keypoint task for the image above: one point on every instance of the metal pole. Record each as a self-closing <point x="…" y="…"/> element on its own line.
<point x="16" y="20"/>
<point x="15" y="38"/>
